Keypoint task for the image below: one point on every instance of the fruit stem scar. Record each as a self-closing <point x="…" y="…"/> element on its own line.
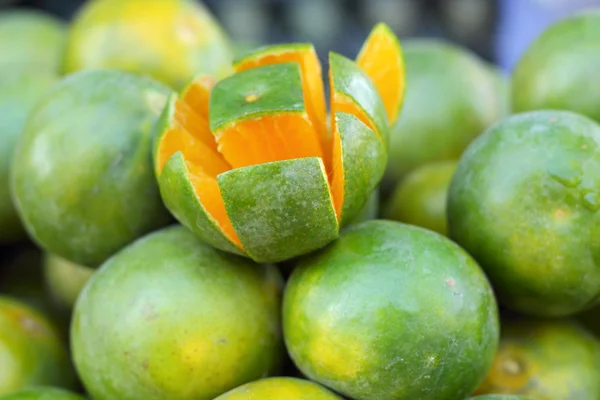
<point x="251" y="98"/>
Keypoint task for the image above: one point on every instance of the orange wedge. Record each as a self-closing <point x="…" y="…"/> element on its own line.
<point x="381" y="58"/>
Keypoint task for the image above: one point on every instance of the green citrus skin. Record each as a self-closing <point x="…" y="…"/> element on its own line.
<point x="169" y="40"/>
<point x="65" y="279"/>
<point x="451" y="97"/>
<point x="82" y="175"/>
<point x="524" y="202"/>
<point x="20" y="88"/>
<point x="391" y="311"/>
<point x="31" y="352"/>
<point x="280" y="388"/>
<point x="420" y="198"/>
<point x="499" y="397"/>
<point x="204" y="323"/>
<point x="556" y="72"/>
<point x="369" y="211"/>
<point x="42" y="393"/>
<point x="283" y="208"/>
<point x="31" y="38"/>
<point x="546" y="360"/>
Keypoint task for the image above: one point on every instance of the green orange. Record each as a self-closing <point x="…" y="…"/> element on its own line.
<point x="20" y="88"/>
<point x="420" y="198"/>
<point x="545" y="360"/>
<point x="31" y="352"/>
<point x="249" y="164"/>
<point x="524" y="202"/>
<point x="452" y="96"/>
<point x="31" y="39"/>
<point x="169" y="40"/>
<point x="42" y="393"/>
<point x="82" y="176"/>
<point x="391" y="311"/>
<point x="65" y="279"/>
<point x="280" y="388"/>
<point x="500" y="397"/>
<point x="170" y="317"/>
<point x="556" y="71"/>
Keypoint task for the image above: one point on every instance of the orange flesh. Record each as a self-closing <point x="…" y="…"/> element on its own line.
<point x="197" y="95"/>
<point x="203" y="162"/>
<point x="381" y="59"/>
<point x="345" y="104"/>
<point x="336" y="176"/>
<point x="289" y="136"/>
<point x="312" y="87"/>
<point x="207" y="189"/>
<point x="341" y="103"/>
<point x="194" y="124"/>
<point x="248" y="142"/>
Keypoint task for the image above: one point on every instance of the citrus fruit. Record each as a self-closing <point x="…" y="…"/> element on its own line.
<point x="65" y="279"/>
<point x="557" y="70"/>
<point x="20" y="88"/>
<point x="420" y="198"/>
<point x="451" y="97"/>
<point x="280" y="388"/>
<point x="170" y="40"/>
<point x="31" y="352"/>
<point x="82" y="177"/>
<point x="369" y="211"/>
<point x="249" y="165"/>
<point x="381" y="58"/>
<point x="545" y="360"/>
<point x="42" y="393"/>
<point x="170" y="317"/>
<point x="391" y="311"/>
<point x="523" y="201"/>
<point x="499" y="397"/>
<point x="31" y="38"/>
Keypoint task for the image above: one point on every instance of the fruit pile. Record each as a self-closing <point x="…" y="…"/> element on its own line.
<point x="179" y="225"/>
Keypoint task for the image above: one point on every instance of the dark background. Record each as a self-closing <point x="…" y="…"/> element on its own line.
<point x="497" y="30"/>
<point x="339" y="25"/>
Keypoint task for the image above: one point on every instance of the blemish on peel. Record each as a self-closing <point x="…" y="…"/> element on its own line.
<point x="560" y="214"/>
<point x="251" y="98"/>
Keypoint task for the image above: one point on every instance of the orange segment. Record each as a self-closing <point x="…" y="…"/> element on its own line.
<point x="194" y="123"/>
<point x="207" y="190"/>
<point x="336" y="174"/>
<point x="343" y="103"/>
<point x="337" y="170"/>
<point x="312" y="80"/>
<point x="340" y="102"/>
<point x="381" y="58"/>
<point x="270" y="138"/>
<point x="189" y="134"/>
<point x="177" y="138"/>
<point x="197" y="94"/>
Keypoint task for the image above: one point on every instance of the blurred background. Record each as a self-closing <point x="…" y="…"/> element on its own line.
<point x="498" y="30"/>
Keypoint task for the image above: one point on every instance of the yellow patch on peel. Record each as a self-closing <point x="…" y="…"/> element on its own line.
<point x="336" y="354"/>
